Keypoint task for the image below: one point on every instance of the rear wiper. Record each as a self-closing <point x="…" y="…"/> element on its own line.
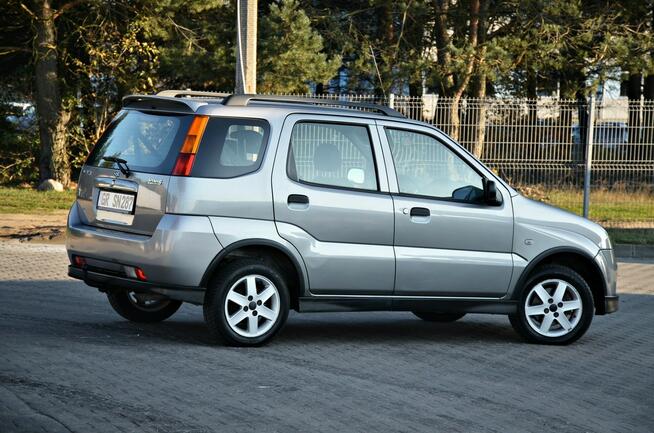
<point x="122" y="164"/>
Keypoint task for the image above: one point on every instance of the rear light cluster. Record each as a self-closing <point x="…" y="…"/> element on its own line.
<point x="130" y="271"/>
<point x="78" y="261"/>
<point x="135" y="272"/>
<point x="186" y="158"/>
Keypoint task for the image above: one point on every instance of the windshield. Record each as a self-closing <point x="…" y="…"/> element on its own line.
<point x="148" y="141"/>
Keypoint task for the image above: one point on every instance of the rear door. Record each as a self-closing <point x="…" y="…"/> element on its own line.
<point x="150" y="142"/>
<point x="331" y="201"/>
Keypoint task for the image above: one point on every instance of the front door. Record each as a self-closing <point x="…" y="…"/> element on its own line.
<point x="448" y="242"/>
<point x="331" y="201"/>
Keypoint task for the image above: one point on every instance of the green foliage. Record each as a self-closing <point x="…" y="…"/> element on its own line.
<point x="31" y="201"/>
<point x="290" y="52"/>
<point x="196" y="39"/>
<point x="106" y="50"/>
<point x="18" y="150"/>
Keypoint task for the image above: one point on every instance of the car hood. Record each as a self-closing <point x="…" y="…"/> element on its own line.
<point x="536" y="213"/>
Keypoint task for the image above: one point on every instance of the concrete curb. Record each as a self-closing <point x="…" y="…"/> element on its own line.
<point x="634" y="251"/>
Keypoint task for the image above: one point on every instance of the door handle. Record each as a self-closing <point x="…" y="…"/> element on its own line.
<point x="298" y="202"/>
<point x="420" y="212"/>
<point x="298" y="199"/>
<point x="420" y="215"/>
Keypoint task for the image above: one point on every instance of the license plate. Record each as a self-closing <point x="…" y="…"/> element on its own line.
<point x="116" y="201"/>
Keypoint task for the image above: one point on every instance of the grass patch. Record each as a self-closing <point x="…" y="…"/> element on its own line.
<point x="606" y="206"/>
<point x="609" y="207"/>
<point x="31" y="201"/>
<point x="632" y="236"/>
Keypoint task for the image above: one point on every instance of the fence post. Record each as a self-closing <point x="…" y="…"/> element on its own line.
<point x="589" y="154"/>
<point x="391" y="100"/>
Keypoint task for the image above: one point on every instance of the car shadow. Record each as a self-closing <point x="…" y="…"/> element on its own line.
<point x="366" y="329"/>
<point x="71" y="311"/>
<point x="395" y="328"/>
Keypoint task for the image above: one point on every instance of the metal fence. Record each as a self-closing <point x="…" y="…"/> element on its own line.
<point x="565" y="152"/>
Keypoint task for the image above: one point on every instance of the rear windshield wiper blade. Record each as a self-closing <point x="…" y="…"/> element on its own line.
<point x="122" y="164"/>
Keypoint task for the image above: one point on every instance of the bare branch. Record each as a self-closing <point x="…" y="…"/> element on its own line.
<point x="9" y="50"/>
<point x="67" y="6"/>
<point x="29" y="12"/>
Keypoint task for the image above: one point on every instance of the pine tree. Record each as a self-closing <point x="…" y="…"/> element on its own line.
<point x="291" y="52"/>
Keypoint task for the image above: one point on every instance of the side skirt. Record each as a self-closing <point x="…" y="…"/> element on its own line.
<point x="391" y="303"/>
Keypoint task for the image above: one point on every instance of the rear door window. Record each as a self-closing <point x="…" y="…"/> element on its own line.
<point x="331" y="154"/>
<point x="231" y="147"/>
<point x="148" y="141"/>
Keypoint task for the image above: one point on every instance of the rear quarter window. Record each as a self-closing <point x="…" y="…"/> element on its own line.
<point x="231" y="147"/>
<point x="148" y="141"/>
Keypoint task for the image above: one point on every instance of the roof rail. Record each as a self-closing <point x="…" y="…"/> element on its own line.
<point x="244" y="100"/>
<point x="191" y="93"/>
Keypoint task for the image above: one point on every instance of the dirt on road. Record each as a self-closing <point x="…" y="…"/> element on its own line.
<point x="46" y="228"/>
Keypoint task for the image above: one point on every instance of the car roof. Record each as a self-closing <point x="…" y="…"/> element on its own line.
<point x="216" y="103"/>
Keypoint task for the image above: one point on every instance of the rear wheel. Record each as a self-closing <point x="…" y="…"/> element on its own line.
<point x="142" y="308"/>
<point x="247" y="302"/>
<point x="555" y="307"/>
<point x="438" y="317"/>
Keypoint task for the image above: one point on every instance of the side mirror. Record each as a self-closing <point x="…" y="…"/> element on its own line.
<point x="491" y="196"/>
<point x="356" y="175"/>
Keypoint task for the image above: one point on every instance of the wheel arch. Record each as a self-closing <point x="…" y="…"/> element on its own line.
<point x="575" y="259"/>
<point x="279" y="253"/>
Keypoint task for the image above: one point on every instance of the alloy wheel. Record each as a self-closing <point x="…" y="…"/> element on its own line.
<point x="553" y="308"/>
<point x="252" y="306"/>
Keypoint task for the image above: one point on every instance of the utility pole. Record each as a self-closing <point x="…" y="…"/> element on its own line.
<point x="590" y="130"/>
<point x="246" y="46"/>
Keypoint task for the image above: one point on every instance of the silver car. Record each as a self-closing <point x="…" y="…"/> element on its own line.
<point x="252" y="205"/>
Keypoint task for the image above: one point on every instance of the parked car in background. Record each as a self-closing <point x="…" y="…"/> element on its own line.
<point x="609" y="135"/>
<point x="23" y="115"/>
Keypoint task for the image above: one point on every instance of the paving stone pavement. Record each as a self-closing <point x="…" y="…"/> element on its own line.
<point x="68" y="363"/>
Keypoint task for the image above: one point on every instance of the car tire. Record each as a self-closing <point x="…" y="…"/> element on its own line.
<point x="430" y="316"/>
<point x="131" y="307"/>
<point x="246" y="303"/>
<point x="555" y="306"/>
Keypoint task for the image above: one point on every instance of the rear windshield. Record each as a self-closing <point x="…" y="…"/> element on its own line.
<point x="148" y="141"/>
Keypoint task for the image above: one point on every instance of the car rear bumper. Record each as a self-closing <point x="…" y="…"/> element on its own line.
<point x="105" y="282"/>
<point x="177" y="254"/>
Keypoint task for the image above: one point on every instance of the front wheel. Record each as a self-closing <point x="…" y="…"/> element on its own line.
<point x="142" y="308"/>
<point x="555" y="307"/>
<point x="247" y="302"/>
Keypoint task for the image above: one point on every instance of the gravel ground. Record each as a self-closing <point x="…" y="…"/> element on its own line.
<point x="69" y="363"/>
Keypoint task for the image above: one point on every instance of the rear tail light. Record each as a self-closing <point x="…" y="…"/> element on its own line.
<point x="186" y="158"/>
<point x="135" y="272"/>
<point x="140" y="274"/>
<point x="79" y="261"/>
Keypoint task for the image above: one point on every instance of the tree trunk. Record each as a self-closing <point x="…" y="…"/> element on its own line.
<point x="464" y="80"/>
<point x="532" y="135"/>
<point x="480" y="124"/>
<point x="53" y="162"/>
<point x="634" y="93"/>
<point x="573" y="82"/>
<point x="442" y="38"/>
<point x="648" y="114"/>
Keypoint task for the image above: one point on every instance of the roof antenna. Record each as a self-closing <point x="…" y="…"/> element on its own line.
<point x="381" y="83"/>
